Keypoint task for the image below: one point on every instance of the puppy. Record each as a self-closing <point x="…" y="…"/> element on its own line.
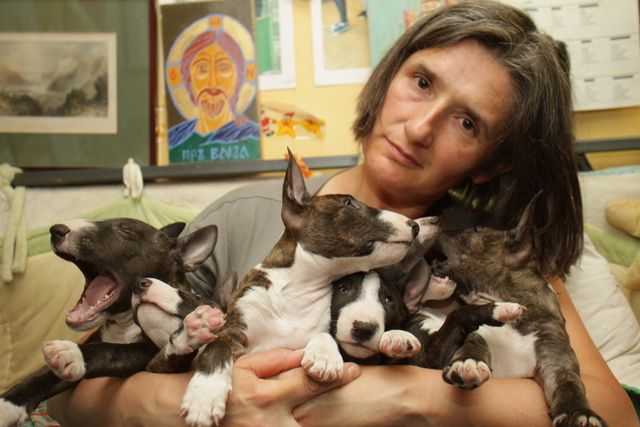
<point x="285" y="300"/>
<point x="113" y="255"/>
<point x="370" y="309"/>
<point x="491" y="266"/>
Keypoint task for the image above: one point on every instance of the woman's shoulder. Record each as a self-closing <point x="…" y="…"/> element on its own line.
<point x="251" y="199"/>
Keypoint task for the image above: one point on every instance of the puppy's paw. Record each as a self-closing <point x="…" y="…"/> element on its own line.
<point x="322" y="360"/>
<point x="507" y="312"/>
<point x="11" y="415"/>
<point x="398" y="344"/>
<point x="65" y="359"/>
<point x="467" y="373"/>
<point x="198" y="328"/>
<point x="578" y="418"/>
<point x="204" y="402"/>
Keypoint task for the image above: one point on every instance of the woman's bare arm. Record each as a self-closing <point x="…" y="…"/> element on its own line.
<point x="408" y="395"/>
<point x="266" y="388"/>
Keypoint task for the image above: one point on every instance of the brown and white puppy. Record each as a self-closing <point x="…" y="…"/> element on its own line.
<point x="285" y="300"/>
<point x="113" y="255"/>
<point x="491" y="266"/>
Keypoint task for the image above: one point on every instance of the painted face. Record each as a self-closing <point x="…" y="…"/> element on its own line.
<point x="214" y="78"/>
<point x="441" y="120"/>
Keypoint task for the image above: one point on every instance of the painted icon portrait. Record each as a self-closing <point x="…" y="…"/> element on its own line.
<point x="212" y="80"/>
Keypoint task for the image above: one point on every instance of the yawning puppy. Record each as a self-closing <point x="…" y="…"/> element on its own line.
<point x="113" y="256"/>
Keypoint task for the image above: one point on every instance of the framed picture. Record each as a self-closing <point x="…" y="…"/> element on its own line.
<point x="274" y="40"/>
<point x="210" y="68"/>
<point x="340" y="38"/>
<point x="76" y="81"/>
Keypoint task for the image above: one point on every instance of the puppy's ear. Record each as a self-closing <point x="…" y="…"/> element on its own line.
<point x="517" y="250"/>
<point x="416" y="287"/>
<point x="518" y="245"/>
<point x="294" y="195"/>
<point x="174" y="229"/>
<point x="194" y="248"/>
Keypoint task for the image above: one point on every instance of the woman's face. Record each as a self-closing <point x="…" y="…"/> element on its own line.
<point x="441" y="121"/>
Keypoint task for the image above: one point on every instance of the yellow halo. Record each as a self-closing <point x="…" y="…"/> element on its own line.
<point x="213" y="22"/>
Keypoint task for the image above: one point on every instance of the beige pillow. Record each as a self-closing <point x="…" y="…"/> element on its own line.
<point x="32" y="310"/>
<point x="624" y="214"/>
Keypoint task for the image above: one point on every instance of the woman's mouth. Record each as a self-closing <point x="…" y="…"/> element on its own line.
<point x="402" y="157"/>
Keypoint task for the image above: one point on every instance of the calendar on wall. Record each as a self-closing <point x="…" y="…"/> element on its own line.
<point x="603" y="43"/>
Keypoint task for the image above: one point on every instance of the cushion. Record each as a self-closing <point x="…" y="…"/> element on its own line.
<point x="32" y="310"/>
<point x="624" y="214"/>
<point x="606" y="314"/>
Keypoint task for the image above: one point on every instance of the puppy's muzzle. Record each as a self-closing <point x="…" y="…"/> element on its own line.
<point x="58" y="233"/>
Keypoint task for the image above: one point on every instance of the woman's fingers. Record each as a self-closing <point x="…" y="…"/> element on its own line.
<point x="271" y="362"/>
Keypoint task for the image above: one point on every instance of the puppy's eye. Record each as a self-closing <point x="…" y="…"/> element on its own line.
<point x="388" y="299"/>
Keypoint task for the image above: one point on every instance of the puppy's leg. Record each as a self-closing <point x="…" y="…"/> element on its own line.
<point x="322" y="360"/>
<point x="21" y="399"/>
<point x="198" y="328"/>
<point x="559" y="375"/>
<point x="205" y="399"/>
<point x="439" y="346"/>
<point x="399" y="344"/>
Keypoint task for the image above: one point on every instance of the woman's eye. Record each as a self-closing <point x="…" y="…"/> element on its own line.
<point x="343" y="289"/>
<point x="468" y="125"/>
<point x="422" y="83"/>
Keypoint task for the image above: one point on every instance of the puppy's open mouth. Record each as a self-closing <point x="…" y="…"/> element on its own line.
<point x="101" y="291"/>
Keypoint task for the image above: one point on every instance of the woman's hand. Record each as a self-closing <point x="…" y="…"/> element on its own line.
<point x="267" y="386"/>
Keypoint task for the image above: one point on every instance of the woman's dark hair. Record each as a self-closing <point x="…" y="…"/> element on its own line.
<point x="538" y="141"/>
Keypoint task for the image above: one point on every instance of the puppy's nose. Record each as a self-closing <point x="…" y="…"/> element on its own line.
<point x="363" y="331"/>
<point x="415" y="228"/>
<point x="58" y="231"/>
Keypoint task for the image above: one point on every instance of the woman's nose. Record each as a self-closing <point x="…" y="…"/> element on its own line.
<point x="420" y="127"/>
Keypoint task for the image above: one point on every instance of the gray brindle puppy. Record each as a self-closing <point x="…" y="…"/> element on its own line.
<point x="489" y="266"/>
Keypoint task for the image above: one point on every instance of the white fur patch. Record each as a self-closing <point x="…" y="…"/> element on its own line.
<point x="161" y="294"/>
<point x="120" y="329"/>
<point x="322" y="360"/>
<point x="433" y="321"/>
<point x="285" y="314"/>
<point x="11" y="415"/>
<point x="512" y="354"/>
<point x="65" y="359"/>
<point x="205" y="400"/>
<point x="157" y="324"/>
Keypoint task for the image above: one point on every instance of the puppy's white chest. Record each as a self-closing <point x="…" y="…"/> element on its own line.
<point x="512" y="354"/>
<point x="272" y="320"/>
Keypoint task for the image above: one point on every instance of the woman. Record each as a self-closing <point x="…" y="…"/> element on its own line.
<point x="472" y="98"/>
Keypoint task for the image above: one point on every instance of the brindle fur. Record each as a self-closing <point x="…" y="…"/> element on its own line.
<point x="495" y="265"/>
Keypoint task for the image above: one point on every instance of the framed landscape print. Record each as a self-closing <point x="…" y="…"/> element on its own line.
<point x="75" y="83"/>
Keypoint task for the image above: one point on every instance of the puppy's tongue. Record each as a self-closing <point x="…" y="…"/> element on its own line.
<point x="97" y="293"/>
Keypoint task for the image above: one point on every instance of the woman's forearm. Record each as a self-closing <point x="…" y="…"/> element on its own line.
<point x="409" y="395"/>
<point x="142" y="399"/>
